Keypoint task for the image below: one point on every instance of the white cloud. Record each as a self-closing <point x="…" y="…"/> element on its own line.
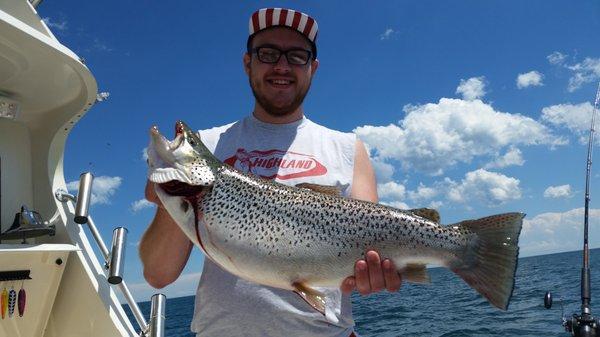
<point x="391" y="191"/>
<point x="512" y="157"/>
<point x="103" y="188"/>
<point x="472" y="89"/>
<point x="387" y="34"/>
<point x="141" y="204"/>
<point x="484" y="186"/>
<point x="62" y="26"/>
<point x="575" y="117"/>
<point x="562" y="191"/>
<point x="433" y="137"/>
<point x="530" y="79"/>
<point x="584" y="72"/>
<point x="555" y="232"/>
<point x="556" y="58"/>
<point x="423" y="193"/>
<point x="383" y="171"/>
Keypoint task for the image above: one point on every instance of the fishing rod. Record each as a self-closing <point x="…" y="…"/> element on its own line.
<point x="584" y="325"/>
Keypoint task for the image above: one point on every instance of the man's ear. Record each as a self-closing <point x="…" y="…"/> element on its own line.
<point x="246" y="60"/>
<point x="314" y="65"/>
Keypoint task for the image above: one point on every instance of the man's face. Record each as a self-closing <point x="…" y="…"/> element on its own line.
<point x="279" y="87"/>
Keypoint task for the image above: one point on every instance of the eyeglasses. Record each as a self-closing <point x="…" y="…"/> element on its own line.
<point x="272" y="55"/>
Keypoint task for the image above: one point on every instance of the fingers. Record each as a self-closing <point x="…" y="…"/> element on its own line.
<point x="375" y="272"/>
<point x="393" y="280"/>
<point x="361" y="276"/>
<point x="373" y="275"/>
<point x="348" y="285"/>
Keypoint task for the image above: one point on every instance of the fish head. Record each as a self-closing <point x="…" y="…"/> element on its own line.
<point x="185" y="159"/>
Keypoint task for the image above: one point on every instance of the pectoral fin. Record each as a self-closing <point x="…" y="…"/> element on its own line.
<point x="415" y="273"/>
<point x="324" y="300"/>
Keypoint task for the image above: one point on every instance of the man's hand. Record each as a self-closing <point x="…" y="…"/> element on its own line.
<point x="372" y="275"/>
<point x="151" y="195"/>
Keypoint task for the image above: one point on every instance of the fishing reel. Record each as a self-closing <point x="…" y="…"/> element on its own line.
<point x="584" y="325"/>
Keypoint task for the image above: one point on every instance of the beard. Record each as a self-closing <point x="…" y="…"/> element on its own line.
<point x="277" y="110"/>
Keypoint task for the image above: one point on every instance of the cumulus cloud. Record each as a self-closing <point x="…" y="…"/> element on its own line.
<point x="556" y="58"/>
<point x="141" y="204"/>
<point x="471" y="89"/>
<point x="562" y="191"/>
<point x="435" y="136"/>
<point x="423" y="193"/>
<point x="103" y="188"/>
<point x="555" y="232"/>
<point x="584" y="72"/>
<point x="391" y="190"/>
<point x="396" y="204"/>
<point x="575" y="117"/>
<point x="383" y="171"/>
<point x="387" y="34"/>
<point x="62" y="25"/>
<point x="530" y="79"/>
<point x="484" y="186"/>
<point x="512" y="157"/>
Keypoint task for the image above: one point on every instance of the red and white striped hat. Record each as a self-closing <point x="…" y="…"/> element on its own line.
<point x="270" y="17"/>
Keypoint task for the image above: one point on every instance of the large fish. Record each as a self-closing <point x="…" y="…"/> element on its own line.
<point x="304" y="240"/>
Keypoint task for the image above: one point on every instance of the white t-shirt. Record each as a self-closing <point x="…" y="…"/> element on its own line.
<point x="299" y="152"/>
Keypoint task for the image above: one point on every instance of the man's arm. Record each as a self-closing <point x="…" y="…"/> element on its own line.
<point x="164" y="249"/>
<point x="372" y="275"/>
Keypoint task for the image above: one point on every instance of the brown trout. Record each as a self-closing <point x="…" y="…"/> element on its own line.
<point x="304" y="240"/>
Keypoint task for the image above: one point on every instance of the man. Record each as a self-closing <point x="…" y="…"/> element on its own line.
<point x="277" y="141"/>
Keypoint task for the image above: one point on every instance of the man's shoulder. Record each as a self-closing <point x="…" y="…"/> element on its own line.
<point x="333" y="132"/>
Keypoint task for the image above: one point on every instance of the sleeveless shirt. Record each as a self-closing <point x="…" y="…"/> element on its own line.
<point x="298" y="152"/>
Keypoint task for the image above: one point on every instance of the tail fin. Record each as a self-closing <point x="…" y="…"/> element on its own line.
<point x="490" y="264"/>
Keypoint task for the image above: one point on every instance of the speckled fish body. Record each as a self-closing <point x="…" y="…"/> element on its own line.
<point x="300" y="239"/>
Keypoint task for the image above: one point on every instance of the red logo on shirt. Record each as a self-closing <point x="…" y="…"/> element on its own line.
<point x="278" y="164"/>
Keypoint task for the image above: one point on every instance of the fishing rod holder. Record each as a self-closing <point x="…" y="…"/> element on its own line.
<point x="114" y="259"/>
<point x="156" y="327"/>
<point x="117" y="256"/>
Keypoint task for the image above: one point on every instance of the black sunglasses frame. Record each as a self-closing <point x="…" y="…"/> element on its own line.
<point x="283" y="52"/>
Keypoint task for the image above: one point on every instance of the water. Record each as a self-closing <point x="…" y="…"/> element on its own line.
<point x="449" y="308"/>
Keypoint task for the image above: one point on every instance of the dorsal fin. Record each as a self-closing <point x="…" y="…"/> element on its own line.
<point x="325" y="189"/>
<point x="427" y="213"/>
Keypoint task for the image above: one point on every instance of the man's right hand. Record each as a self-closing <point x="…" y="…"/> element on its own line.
<point x="150" y="194"/>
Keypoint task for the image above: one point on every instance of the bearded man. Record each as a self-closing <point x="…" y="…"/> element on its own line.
<point x="276" y="141"/>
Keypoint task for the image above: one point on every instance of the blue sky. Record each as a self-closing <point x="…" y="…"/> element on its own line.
<point x="471" y="107"/>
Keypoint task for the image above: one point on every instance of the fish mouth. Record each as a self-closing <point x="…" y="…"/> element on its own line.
<point x="163" y="158"/>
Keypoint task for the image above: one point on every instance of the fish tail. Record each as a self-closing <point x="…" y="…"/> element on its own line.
<point x="490" y="264"/>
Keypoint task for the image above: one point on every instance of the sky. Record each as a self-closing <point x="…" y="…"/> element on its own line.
<point x="473" y="108"/>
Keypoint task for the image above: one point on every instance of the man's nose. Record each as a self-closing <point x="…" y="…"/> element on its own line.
<point x="283" y="65"/>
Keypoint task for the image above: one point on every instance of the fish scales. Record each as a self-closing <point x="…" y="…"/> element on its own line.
<point x="300" y="239"/>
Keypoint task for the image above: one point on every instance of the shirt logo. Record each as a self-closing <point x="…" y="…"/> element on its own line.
<point x="278" y="164"/>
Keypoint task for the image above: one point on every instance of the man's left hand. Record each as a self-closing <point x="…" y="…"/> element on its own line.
<point x="372" y="275"/>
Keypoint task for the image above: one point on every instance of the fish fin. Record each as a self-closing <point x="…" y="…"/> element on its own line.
<point x="325" y="189"/>
<point x="325" y="300"/>
<point x="427" y="213"/>
<point x="415" y="273"/>
<point x="490" y="263"/>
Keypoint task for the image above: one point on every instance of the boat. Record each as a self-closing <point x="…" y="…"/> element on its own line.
<point x="52" y="283"/>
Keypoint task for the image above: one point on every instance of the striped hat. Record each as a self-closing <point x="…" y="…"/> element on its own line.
<point x="271" y="17"/>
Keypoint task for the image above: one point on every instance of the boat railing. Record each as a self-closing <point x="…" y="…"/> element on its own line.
<point x="113" y="259"/>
